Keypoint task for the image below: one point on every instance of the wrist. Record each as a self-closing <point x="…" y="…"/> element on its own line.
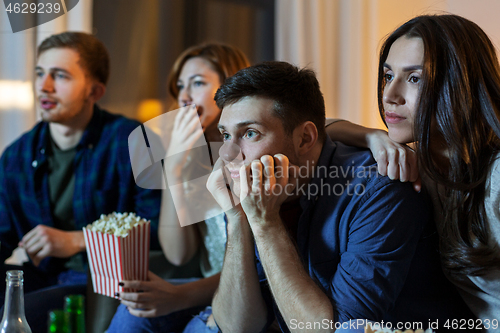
<point x="173" y="168"/>
<point x="373" y="135"/>
<point x="262" y="226"/>
<point x="79" y="241"/>
<point x="237" y="226"/>
<point x="235" y="214"/>
<point x="185" y="295"/>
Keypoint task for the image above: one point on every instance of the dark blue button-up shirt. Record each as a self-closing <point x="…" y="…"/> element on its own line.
<point x="104" y="182"/>
<point x="370" y="244"/>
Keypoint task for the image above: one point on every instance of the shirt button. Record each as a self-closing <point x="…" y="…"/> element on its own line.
<point x="42" y="151"/>
<point x="91" y="146"/>
<point x="34" y="163"/>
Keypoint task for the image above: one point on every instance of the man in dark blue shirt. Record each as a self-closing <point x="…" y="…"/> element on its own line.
<point x="334" y="241"/>
<point x="70" y="168"/>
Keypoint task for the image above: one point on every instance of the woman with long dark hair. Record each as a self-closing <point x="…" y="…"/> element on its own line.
<point x="455" y="123"/>
<point x="439" y="87"/>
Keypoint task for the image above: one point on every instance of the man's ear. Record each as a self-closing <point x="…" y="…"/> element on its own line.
<point x="305" y="137"/>
<point x="98" y="90"/>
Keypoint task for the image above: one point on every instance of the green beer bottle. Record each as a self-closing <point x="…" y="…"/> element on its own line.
<point x="75" y="313"/>
<point x="57" y="322"/>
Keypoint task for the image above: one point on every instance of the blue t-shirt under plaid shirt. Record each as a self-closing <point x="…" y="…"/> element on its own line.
<point x="104" y="182"/>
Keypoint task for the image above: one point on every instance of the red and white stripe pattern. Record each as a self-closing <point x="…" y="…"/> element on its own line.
<point x="113" y="259"/>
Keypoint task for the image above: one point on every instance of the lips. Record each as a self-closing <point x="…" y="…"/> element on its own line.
<point x="234" y="173"/>
<point x="393" y="118"/>
<point x="47" y="103"/>
<point x="234" y="170"/>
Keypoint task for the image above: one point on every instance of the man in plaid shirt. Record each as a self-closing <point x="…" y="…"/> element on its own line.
<point x="70" y="168"/>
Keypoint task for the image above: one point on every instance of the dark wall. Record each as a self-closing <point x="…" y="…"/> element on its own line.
<point x="145" y="37"/>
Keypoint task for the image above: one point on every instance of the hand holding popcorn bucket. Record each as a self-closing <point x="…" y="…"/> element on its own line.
<point x="117" y="249"/>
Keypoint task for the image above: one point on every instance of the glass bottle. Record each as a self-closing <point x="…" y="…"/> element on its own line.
<point x="75" y="314"/>
<point x="57" y="322"/>
<point x="14" y="320"/>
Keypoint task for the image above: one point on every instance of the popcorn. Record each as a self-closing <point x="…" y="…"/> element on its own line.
<point x="118" y="224"/>
<point x="117" y="249"/>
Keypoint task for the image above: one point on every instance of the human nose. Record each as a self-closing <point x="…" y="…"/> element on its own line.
<point x="393" y="93"/>
<point x="46" y="84"/>
<point x="185" y="96"/>
<point x="230" y="152"/>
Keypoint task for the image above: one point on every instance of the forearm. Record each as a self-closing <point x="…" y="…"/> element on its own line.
<point x="179" y="244"/>
<point x="296" y="294"/>
<point x="200" y="292"/>
<point x="352" y="134"/>
<point x="238" y="305"/>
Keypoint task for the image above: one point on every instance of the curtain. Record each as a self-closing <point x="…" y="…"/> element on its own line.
<point x="340" y="40"/>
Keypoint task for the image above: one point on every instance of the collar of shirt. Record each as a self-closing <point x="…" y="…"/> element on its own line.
<point x="89" y="138"/>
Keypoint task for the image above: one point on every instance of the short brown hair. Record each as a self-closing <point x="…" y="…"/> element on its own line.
<point x="225" y="60"/>
<point x="94" y="57"/>
<point x="295" y="92"/>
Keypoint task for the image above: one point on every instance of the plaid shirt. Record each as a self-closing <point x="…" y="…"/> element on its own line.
<point x="104" y="182"/>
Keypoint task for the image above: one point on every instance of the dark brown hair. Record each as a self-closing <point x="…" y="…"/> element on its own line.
<point x="94" y="57"/>
<point x="225" y="60"/>
<point x="295" y="92"/>
<point x="459" y="107"/>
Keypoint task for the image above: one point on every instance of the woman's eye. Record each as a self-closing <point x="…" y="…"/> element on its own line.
<point x="198" y="83"/>
<point x="388" y="77"/>
<point x="225" y="136"/>
<point x="414" y="79"/>
<point x="39" y="73"/>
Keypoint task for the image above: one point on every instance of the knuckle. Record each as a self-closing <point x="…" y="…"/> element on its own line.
<point x="256" y="164"/>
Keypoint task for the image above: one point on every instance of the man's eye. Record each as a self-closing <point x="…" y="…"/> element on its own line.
<point x="225" y="136"/>
<point x="39" y="74"/>
<point x="251" y="134"/>
<point x="61" y="76"/>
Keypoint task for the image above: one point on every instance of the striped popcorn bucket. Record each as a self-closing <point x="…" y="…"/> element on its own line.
<point x="113" y="259"/>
